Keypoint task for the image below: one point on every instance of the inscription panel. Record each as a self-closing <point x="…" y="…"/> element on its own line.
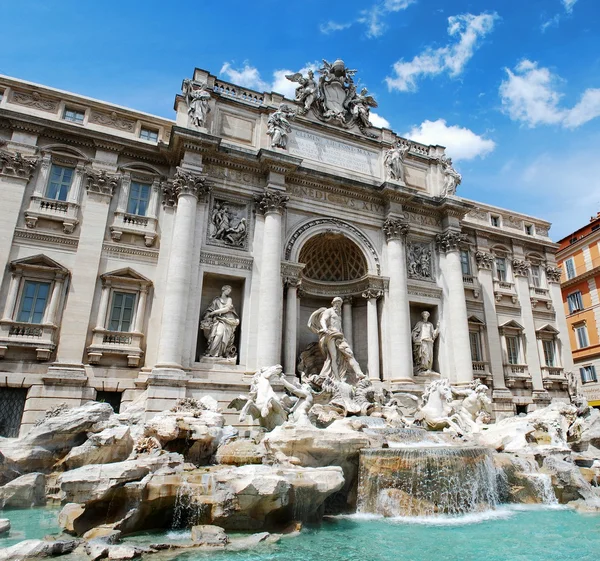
<point x="333" y="152"/>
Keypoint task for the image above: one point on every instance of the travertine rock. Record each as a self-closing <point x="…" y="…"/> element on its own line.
<point x="123" y="552"/>
<point x="209" y="535"/>
<point x="37" y="548"/>
<point x="24" y="492"/>
<point x="4" y="526"/>
<point x="240" y="452"/>
<point x="111" y="445"/>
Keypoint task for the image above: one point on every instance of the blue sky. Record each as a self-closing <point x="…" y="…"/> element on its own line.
<point x="512" y="88"/>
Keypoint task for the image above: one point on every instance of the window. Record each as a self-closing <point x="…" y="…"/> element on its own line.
<point x="501" y="269"/>
<point x="147" y="134"/>
<point x="73" y="115"/>
<point x="529" y="229"/>
<point x="573" y="240"/>
<point x="139" y="195"/>
<point x="465" y="262"/>
<point x="495" y="221"/>
<point x="588" y="374"/>
<point x="536" y="280"/>
<point x="582" y="337"/>
<point x="59" y="183"/>
<point x="575" y="302"/>
<point x="33" y="301"/>
<point x="512" y="347"/>
<point x="475" y="338"/>
<point x="570" y="268"/>
<point x="121" y="312"/>
<point x="549" y="352"/>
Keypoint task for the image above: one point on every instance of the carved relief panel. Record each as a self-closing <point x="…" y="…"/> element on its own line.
<point x="228" y="223"/>
<point x="419" y="260"/>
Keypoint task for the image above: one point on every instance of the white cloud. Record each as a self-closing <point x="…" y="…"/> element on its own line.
<point x="331" y="26"/>
<point x="568" y="4"/>
<point x="379" y="121"/>
<point x="248" y="76"/>
<point x="469" y="29"/>
<point x="530" y="95"/>
<point x="461" y="143"/>
<point x="555" y="20"/>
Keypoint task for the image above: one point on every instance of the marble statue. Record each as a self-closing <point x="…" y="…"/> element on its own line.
<point x="424" y="335"/>
<point x="218" y="324"/>
<point x="452" y="178"/>
<point x="263" y="403"/>
<point x="474" y="409"/>
<point x="436" y="411"/>
<point x="305" y="400"/>
<point x="197" y="97"/>
<point x="340" y="363"/>
<point x="278" y="126"/>
<point x="419" y="260"/>
<point x="306" y="92"/>
<point x="360" y="106"/>
<point x="394" y="161"/>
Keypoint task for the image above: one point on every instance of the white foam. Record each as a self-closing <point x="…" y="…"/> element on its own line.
<point x="179" y="535"/>
<point x="462" y="520"/>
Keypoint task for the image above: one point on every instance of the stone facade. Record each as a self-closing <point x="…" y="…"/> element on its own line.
<point x="120" y="228"/>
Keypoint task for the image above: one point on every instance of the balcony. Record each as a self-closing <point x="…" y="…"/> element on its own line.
<point x="49" y="209"/>
<point x="481" y="370"/>
<point x="554" y="377"/>
<point x="123" y="343"/>
<point x="38" y="336"/>
<point x="505" y="289"/>
<point x="540" y="295"/>
<point x="517" y="374"/>
<point x="144" y="226"/>
<point x="470" y="282"/>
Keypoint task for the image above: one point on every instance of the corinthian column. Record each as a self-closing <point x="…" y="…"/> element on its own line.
<point x="400" y="352"/>
<point x="457" y="324"/>
<point x="372" y="332"/>
<point x="291" y="326"/>
<point x="186" y="188"/>
<point x="271" y="204"/>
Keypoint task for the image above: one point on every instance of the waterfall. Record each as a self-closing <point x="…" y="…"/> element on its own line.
<point x="425" y="481"/>
<point x="541" y="482"/>
<point x="189" y="511"/>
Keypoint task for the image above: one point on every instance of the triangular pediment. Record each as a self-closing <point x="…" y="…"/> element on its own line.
<point x="475" y="320"/>
<point x="547" y="328"/>
<point x="126" y="274"/>
<point x="512" y="324"/>
<point x="39" y="261"/>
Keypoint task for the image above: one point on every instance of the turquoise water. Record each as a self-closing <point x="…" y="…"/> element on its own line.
<point x="29" y="523"/>
<point x="507" y="534"/>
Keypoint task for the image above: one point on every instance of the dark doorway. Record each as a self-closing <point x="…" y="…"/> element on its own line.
<point x="12" y="404"/>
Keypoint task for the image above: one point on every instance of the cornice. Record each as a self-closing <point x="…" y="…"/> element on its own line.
<point x="270" y="160"/>
<point x="582" y="277"/>
<point x="130" y="252"/>
<point x="501" y="236"/>
<point x="46" y="238"/>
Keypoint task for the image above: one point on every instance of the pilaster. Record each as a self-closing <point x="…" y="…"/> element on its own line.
<point x="372" y="295"/>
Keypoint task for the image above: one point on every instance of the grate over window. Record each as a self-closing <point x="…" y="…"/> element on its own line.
<point x="332" y="258"/>
<point x="12" y="404"/>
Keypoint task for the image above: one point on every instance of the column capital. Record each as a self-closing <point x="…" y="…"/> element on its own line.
<point x="450" y="240"/>
<point x="484" y="260"/>
<point x="372" y="293"/>
<point x="101" y="182"/>
<point x="348" y="300"/>
<point x="15" y="165"/>
<point x="184" y="183"/>
<point x="292" y="282"/>
<point x="521" y="267"/>
<point x="395" y="228"/>
<point x="271" y="201"/>
<point x="553" y="274"/>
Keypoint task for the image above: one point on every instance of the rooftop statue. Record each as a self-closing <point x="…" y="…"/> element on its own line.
<point x="306" y="92"/>
<point x="394" y="161"/>
<point x="278" y="126"/>
<point x="452" y="178"/>
<point x="197" y="97"/>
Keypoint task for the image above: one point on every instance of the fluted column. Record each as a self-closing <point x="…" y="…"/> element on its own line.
<point x="372" y="332"/>
<point x="347" y="320"/>
<point x="399" y="336"/>
<point x="291" y="326"/>
<point x="457" y="324"/>
<point x="186" y="188"/>
<point x="11" y="298"/>
<point x="103" y="308"/>
<point x="271" y="204"/>
<point x="141" y="310"/>
<point x="57" y="289"/>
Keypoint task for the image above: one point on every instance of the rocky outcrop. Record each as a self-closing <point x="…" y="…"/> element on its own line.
<point x="37" y="548"/>
<point x="24" y="492"/>
<point x="4" y="526"/>
<point x="113" y="444"/>
<point x="209" y="535"/>
<point x="241" y="452"/>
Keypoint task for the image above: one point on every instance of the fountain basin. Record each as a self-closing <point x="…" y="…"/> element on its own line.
<point x="428" y="480"/>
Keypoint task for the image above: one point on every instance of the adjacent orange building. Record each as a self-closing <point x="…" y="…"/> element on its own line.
<point x="579" y="258"/>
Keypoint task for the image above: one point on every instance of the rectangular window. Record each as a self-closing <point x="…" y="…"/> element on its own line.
<point x="147" y="134"/>
<point x="549" y="352"/>
<point x="495" y="221"/>
<point x="33" y="301"/>
<point x="535" y="276"/>
<point x="121" y="311"/>
<point x="512" y="346"/>
<point x="73" y="115"/>
<point x="476" y="354"/>
<point x="139" y="195"/>
<point x="570" y="268"/>
<point x="575" y="302"/>
<point x="588" y="374"/>
<point x="59" y="183"/>
<point x="501" y="269"/>
<point x="529" y="229"/>
<point x="465" y="262"/>
<point x="582" y="337"/>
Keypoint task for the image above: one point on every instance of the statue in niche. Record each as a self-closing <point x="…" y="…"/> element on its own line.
<point x="278" y="126"/>
<point x="424" y="335"/>
<point x="340" y="363"/>
<point x="197" y="97"/>
<point x="306" y="92"/>
<point x="224" y="227"/>
<point x="419" y="261"/>
<point x="218" y="324"/>
<point x="394" y="161"/>
<point x="452" y="178"/>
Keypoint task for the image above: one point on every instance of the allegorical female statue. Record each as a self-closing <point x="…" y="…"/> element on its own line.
<point x="423" y="337"/>
<point x="218" y="324"/>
